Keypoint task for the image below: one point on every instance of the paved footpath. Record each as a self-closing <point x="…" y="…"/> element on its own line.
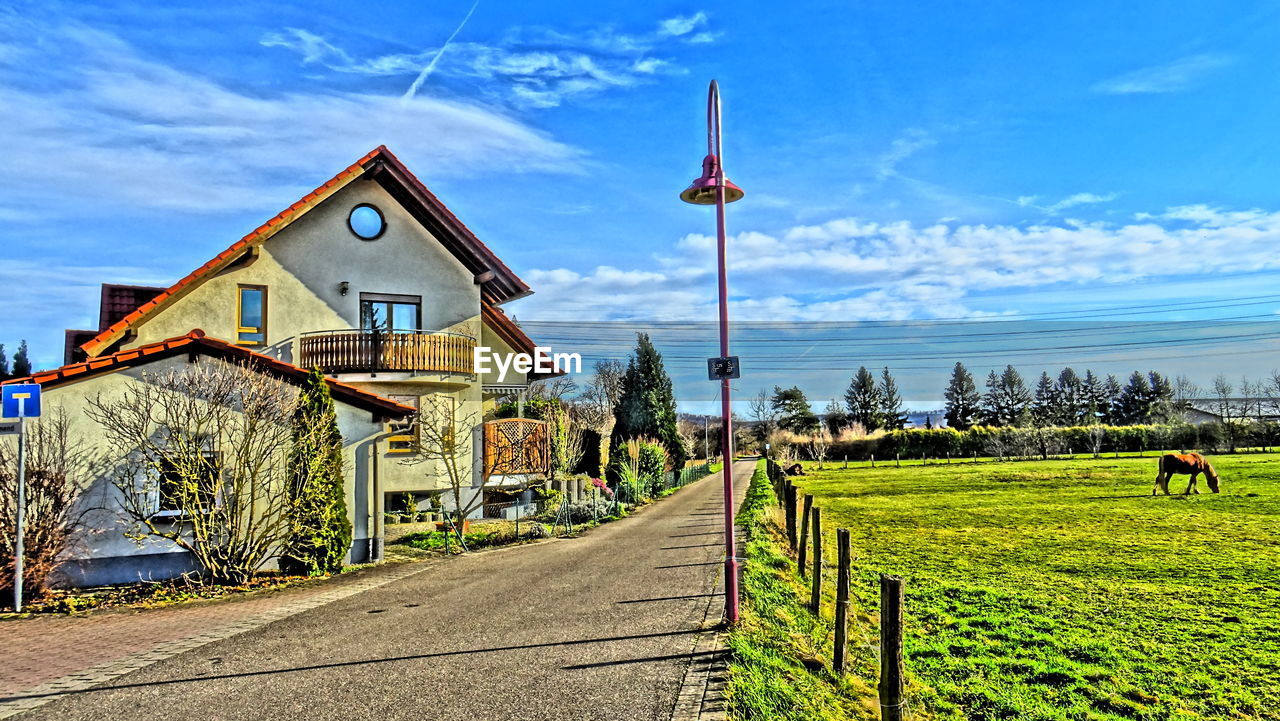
<point x="606" y="626"/>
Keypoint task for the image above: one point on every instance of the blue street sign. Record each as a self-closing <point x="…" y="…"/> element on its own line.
<point x="20" y="401"/>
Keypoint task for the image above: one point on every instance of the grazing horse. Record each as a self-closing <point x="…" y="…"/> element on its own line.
<point x="1184" y="464"/>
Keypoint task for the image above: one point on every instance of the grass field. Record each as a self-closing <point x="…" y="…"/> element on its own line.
<point x="1063" y="590"/>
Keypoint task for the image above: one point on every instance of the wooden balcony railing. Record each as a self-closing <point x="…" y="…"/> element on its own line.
<point x="364" y="351"/>
<point x="516" y="446"/>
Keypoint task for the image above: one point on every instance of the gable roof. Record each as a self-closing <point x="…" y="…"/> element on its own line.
<point x="498" y="284"/>
<point x="119" y="301"/>
<point x="197" y="342"/>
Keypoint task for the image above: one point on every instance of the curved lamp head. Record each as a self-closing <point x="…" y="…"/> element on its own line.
<point x="703" y="189"/>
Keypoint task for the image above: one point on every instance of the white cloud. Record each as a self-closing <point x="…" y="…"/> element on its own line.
<point x="854" y="269"/>
<point x="1072" y="201"/>
<point x="911" y="142"/>
<point x="1171" y="77"/>
<point x="529" y="68"/>
<point x="681" y="24"/>
<point x="312" y="47"/>
<point x="107" y="125"/>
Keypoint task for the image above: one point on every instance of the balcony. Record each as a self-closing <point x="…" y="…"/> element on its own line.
<point x="516" y="447"/>
<point x="371" y="351"/>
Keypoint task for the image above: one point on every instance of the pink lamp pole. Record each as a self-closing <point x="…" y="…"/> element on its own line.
<point x="712" y="188"/>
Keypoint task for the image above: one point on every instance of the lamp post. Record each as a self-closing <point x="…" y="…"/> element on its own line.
<point x="712" y="188"/>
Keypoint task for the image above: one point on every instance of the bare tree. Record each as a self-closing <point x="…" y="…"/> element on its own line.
<point x="445" y="448"/>
<point x="692" y="435"/>
<point x="1184" y="392"/>
<point x="1097" y="434"/>
<point x="820" y="444"/>
<point x="57" y="467"/>
<point x="765" y="415"/>
<point x="1226" y="409"/>
<point x="566" y="441"/>
<point x="203" y="462"/>
<point x="557" y="388"/>
<point x="601" y="395"/>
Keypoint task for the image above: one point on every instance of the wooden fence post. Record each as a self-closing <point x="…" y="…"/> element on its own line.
<point x="791" y="515"/>
<point x="842" y="597"/>
<point x="804" y="533"/>
<point x="897" y="460"/>
<point x="890" y="647"/>
<point x="815" y="598"/>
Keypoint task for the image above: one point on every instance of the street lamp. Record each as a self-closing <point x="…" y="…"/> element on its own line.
<point x="712" y="188"/>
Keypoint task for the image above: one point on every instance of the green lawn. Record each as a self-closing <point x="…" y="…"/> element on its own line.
<point x="1063" y="590"/>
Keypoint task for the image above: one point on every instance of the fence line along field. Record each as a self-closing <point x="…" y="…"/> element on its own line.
<point x="1064" y="590"/>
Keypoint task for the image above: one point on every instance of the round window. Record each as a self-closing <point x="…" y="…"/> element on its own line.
<point x="366" y="221"/>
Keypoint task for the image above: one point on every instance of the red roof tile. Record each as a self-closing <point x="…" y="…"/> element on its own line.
<point x="462" y="242"/>
<point x="197" y="342"/>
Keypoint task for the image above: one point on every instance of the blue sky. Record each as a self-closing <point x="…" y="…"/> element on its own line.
<point x="901" y="162"/>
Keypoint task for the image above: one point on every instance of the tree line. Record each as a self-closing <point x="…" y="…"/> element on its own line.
<point x="1070" y="399"/>
<point x="21" y="363"/>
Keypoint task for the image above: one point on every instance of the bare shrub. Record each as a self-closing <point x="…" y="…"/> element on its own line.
<point x="201" y="460"/>
<point x="57" y="466"/>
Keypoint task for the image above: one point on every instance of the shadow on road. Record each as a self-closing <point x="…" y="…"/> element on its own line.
<point x="346" y="664"/>
<point x="647" y="659"/>
<point x="673" y="598"/>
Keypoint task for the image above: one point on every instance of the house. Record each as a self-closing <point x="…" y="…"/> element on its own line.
<point x="369" y="278"/>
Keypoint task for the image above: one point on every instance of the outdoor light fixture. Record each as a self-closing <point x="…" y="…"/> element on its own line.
<point x="712" y="188"/>
<point x="343" y="287"/>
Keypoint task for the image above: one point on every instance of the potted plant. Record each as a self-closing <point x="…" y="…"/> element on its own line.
<point x="391" y="518"/>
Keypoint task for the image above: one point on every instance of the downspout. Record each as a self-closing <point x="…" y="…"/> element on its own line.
<point x="377" y="523"/>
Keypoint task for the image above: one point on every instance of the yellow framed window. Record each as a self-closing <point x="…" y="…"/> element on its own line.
<point x="251" y="315"/>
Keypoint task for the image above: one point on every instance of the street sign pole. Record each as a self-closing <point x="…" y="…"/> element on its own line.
<point x="19" y="551"/>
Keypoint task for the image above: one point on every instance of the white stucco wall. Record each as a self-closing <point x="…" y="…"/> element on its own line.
<point x="104" y="552"/>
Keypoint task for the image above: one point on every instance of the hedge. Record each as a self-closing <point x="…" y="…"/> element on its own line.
<point x="1011" y="441"/>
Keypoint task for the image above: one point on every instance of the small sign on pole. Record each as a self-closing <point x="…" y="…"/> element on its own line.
<point x="724" y="367"/>
<point x="21" y="401"/>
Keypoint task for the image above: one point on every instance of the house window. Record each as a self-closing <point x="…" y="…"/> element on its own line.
<point x="251" y="315"/>
<point x="366" y="222"/>
<point x="404" y="431"/>
<point x="188" y="485"/>
<point x="385" y="312"/>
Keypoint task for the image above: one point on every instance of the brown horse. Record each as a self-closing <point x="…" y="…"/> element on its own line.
<point x="1184" y="464"/>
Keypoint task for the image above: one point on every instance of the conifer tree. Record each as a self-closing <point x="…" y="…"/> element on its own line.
<point x="21" y="363"/>
<point x="1044" y="409"/>
<point x="863" y="400"/>
<point x="1070" y="393"/>
<point x="319" y="531"/>
<point x="4" y="363"/>
<point x="963" y="400"/>
<point x="891" y="415"/>
<point x="1093" y="397"/>
<point x="1160" y="404"/>
<point x="1111" y="391"/>
<point x="647" y="403"/>
<point x="1135" y="399"/>
<point x="1007" y="399"/>
<point x="794" y="412"/>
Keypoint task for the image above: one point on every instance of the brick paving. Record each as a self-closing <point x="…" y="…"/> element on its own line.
<point x="47" y="655"/>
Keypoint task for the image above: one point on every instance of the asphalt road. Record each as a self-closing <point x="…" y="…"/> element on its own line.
<point x="596" y="627"/>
